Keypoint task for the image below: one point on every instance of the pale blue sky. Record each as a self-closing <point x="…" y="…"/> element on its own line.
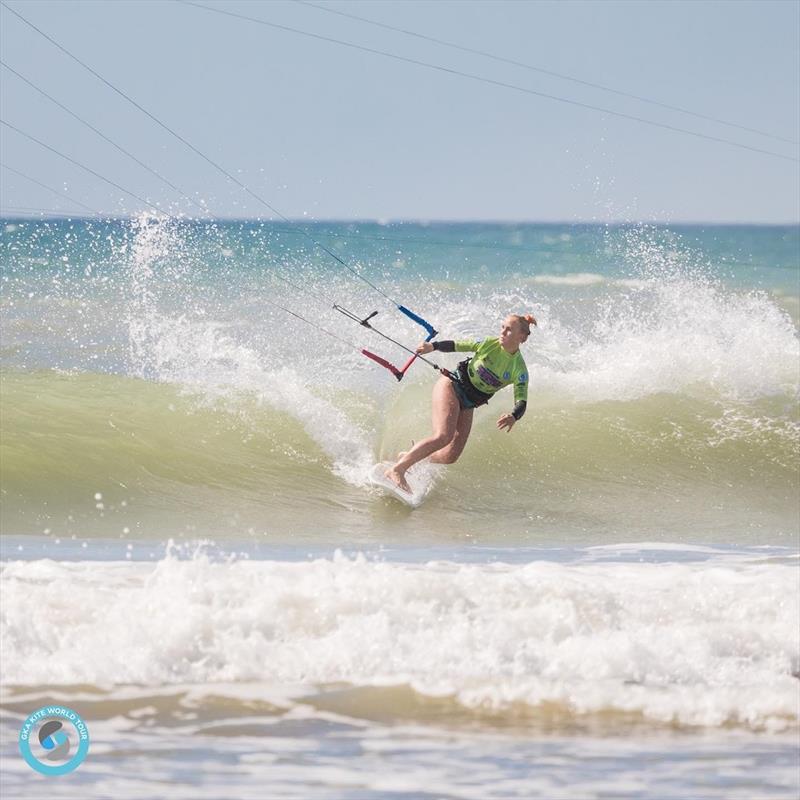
<point x="336" y="133"/>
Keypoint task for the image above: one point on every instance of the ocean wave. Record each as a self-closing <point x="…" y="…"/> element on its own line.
<point x="570" y="279"/>
<point x="174" y="385"/>
<point x="166" y="459"/>
<point x="670" y="644"/>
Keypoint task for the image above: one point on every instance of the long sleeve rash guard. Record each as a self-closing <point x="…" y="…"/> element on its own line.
<point x="492" y="368"/>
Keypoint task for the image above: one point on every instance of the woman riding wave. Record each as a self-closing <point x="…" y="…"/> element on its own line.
<point x="497" y="363"/>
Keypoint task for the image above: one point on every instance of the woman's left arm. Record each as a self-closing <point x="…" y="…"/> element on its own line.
<point x="506" y="422"/>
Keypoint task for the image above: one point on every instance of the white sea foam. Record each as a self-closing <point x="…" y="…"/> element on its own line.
<point x="675" y="643"/>
<point x="570" y="279"/>
<point x="202" y="356"/>
<point x="667" y="327"/>
<point x="673" y="337"/>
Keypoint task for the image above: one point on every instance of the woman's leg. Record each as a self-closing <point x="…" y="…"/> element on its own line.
<point x="445" y="413"/>
<point x="450" y="452"/>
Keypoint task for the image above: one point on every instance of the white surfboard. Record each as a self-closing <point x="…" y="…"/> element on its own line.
<point x="378" y="479"/>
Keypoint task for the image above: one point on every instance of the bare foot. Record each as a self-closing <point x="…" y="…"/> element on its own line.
<point x="398" y="478"/>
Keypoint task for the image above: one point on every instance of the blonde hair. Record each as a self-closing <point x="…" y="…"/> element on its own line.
<point x="525" y="321"/>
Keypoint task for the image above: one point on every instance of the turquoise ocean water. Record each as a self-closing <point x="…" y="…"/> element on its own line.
<point x="603" y="603"/>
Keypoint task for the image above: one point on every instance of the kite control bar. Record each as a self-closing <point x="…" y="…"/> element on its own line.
<point x="398" y="372"/>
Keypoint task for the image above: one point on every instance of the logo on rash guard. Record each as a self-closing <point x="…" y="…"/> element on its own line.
<point x="488" y="377"/>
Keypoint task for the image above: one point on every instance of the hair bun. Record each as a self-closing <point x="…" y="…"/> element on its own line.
<point x="531" y="320"/>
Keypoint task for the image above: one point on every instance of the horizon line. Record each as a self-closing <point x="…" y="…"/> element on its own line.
<point x="386" y="222"/>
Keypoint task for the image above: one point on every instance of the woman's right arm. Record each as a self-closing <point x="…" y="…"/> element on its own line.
<point x="448" y="346"/>
<point x="443" y="346"/>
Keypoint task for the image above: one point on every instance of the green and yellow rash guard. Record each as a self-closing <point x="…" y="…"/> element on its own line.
<point x="492" y="369"/>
